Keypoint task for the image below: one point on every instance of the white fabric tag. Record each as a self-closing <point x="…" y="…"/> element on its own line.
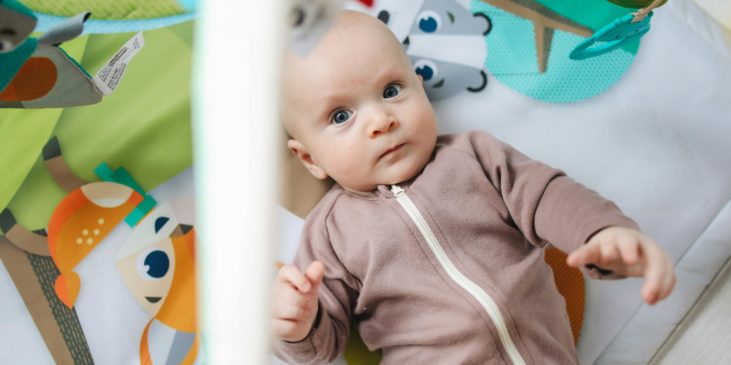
<point x="108" y="78"/>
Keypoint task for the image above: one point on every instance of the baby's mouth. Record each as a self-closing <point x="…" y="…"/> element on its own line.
<point x="390" y="150"/>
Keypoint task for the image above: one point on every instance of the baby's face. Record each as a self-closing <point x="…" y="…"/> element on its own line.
<point x="357" y="110"/>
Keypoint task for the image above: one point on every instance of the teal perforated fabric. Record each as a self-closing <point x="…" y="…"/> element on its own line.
<point x="514" y="59"/>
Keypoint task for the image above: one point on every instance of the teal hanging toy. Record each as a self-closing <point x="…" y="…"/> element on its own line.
<point x="617" y="33"/>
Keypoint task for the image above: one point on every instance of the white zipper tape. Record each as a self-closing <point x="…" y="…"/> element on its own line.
<point x="475" y="290"/>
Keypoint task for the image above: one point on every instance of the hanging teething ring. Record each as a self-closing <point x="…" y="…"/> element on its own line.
<point x="611" y="37"/>
<point x="620" y="31"/>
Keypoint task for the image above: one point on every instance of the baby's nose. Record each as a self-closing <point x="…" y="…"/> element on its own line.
<point x="381" y="124"/>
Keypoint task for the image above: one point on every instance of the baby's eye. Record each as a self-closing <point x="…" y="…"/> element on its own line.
<point x="391" y="91"/>
<point x="340" y="116"/>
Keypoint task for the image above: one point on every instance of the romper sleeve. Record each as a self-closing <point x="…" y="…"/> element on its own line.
<point x="546" y="205"/>
<point x="336" y="297"/>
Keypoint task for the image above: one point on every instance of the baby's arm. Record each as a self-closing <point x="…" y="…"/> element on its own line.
<point x="294" y="301"/>
<point x="628" y="252"/>
<point x="547" y="206"/>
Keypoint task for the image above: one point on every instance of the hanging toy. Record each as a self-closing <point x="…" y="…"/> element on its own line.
<point x="36" y="73"/>
<point x="620" y="31"/>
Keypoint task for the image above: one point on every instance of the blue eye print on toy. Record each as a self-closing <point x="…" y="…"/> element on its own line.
<point x="340" y="117"/>
<point x="425" y="68"/>
<point x="429" y="21"/>
<point x="156" y="264"/>
<point x="160" y="222"/>
<point x="426" y="72"/>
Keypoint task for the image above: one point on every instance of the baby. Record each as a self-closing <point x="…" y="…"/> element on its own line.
<point x="432" y="245"/>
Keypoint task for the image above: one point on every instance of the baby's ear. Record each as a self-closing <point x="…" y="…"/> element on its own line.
<point x="300" y="191"/>
<point x="303" y="154"/>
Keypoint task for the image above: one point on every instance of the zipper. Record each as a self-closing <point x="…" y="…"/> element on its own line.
<point x="475" y="290"/>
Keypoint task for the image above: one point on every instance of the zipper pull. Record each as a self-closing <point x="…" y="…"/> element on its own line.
<point x="397" y="191"/>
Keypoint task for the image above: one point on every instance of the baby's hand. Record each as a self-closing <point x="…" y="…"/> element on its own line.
<point x="629" y="252"/>
<point x="294" y="301"/>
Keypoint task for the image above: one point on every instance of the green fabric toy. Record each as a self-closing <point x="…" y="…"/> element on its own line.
<point x="36" y="73"/>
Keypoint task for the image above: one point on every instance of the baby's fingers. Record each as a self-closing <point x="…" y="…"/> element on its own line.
<point x="629" y="250"/>
<point x="659" y="276"/>
<point x="314" y="274"/>
<point x="288" y="303"/>
<point x="292" y="275"/>
<point x="584" y="255"/>
<point x="667" y="286"/>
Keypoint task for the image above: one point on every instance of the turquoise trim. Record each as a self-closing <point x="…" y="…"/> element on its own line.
<point x="95" y="26"/>
<point x="78" y="65"/>
<point x="140" y="211"/>
<point x="104" y="172"/>
<point x="121" y="176"/>
<point x="11" y="62"/>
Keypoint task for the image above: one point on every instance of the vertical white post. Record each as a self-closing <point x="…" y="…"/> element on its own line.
<point x="237" y="52"/>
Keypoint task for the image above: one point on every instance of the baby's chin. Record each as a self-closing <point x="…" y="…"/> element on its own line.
<point x="386" y="179"/>
<point x="395" y="174"/>
<point x="399" y="174"/>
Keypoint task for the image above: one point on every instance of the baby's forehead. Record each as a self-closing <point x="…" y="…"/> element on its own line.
<point x="353" y="44"/>
<point x="353" y="30"/>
